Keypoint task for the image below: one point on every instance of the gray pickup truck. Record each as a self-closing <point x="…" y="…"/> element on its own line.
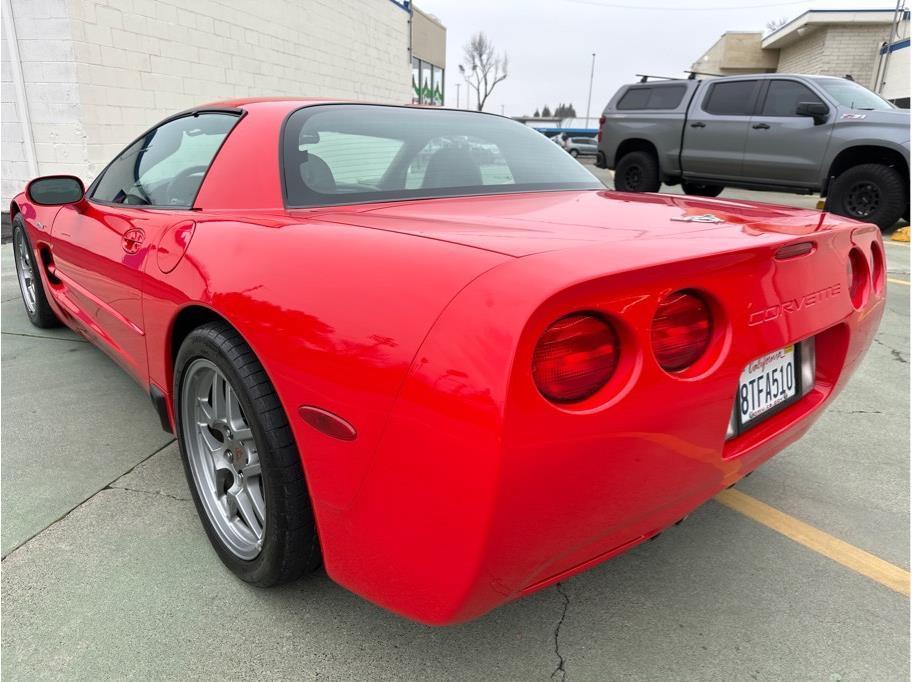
<point x="781" y="132"/>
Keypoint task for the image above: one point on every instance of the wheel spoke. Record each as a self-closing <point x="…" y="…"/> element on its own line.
<point x="243" y="433"/>
<point x="246" y="510"/>
<point x="219" y="394"/>
<point x="252" y="469"/>
<point x="211" y="443"/>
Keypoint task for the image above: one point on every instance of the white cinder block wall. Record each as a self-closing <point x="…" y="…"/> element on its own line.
<point x="98" y="72"/>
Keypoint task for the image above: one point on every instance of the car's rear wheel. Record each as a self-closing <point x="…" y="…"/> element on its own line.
<point x="699" y="189"/>
<point x="30" y="285"/>
<point x="870" y="192"/>
<point x="637" y="172"/>
<point x="241" y="461"/>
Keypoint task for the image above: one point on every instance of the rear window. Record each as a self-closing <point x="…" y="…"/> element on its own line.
<point x="735" y="98"/>
<point x="653" y="97"/>
<point x="350" y="153"/>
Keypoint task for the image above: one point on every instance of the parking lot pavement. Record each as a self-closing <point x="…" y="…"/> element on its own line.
<point x="126" y="584"/>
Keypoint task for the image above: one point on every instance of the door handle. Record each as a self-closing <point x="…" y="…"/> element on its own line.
<point x="132" y="240"/>
<point x="698" y="124"/>
<point x="761" y="126"/>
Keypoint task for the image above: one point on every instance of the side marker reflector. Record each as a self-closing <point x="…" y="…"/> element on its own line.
<point x="327" y="422"/>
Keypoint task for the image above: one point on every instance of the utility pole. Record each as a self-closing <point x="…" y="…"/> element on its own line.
<point x="501" y="109"/>
<point x="589" y="100"/>
<point x="458" y="85"/>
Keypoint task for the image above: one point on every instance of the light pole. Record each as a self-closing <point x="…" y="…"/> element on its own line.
<point x="589" y="100"/>
<point x="458" y="85"/>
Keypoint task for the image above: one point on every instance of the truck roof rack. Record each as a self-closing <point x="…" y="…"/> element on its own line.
<point x="691" y="75"/>
<point x="644" y="78"/>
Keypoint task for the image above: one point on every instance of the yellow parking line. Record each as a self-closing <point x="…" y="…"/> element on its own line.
<point x="875" y="568"/>
<point x="899" y="281"/>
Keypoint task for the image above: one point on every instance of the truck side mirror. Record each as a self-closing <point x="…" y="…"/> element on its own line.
<point x="816" y="110"/>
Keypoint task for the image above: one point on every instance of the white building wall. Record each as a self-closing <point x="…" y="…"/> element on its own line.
<point x="101" y="71"/>
<point x="836" y="51"/>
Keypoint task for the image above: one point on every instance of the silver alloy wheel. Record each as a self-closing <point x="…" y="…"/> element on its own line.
<point x="25" y="272"/>
<point x="223" y="458"/>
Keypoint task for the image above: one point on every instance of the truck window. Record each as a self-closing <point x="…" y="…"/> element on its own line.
<point x="783" y="98"/>
<point x="635" y="98"/>
<point x="666" y="97"/>
<point x="659" y="97"/>
<point x="734" y="98"/>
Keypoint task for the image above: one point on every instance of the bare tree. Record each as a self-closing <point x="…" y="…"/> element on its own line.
<point x="482" y="68"/>
<point x="775" y="24"/>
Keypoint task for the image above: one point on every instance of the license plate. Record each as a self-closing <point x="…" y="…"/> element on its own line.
<point x="767" y="383"/>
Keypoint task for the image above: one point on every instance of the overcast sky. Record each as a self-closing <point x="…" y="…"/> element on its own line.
<point x="550" y="42"/>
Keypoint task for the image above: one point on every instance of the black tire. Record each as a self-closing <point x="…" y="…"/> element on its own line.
<point x="698" y="189"/>
<point x="871" y="192"/>
<point x="41" y="315"/>
<point x="637" y="172"/>
<point x="290" y="546"/>
<point x="574" y="153"/>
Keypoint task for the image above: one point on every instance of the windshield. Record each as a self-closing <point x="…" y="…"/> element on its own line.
<point x="851" y="94"/>
<point x="351" y="153"/>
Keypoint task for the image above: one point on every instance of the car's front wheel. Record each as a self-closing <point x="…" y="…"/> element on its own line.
<point x="699" y="189"/>
<point x="31" y="287"/>
<point x="574" y="153"/>
<point x="241" y="461"/>
<point x="871" y="192"/>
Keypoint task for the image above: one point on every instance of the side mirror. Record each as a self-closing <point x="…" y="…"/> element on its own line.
<point x="55" y="190"/>
<point x="816" y="110"/>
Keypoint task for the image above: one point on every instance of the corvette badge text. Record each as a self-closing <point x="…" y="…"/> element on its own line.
<point x="793" y="305"/>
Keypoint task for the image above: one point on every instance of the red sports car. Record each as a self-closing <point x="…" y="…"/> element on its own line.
<point x="428" y="348"/>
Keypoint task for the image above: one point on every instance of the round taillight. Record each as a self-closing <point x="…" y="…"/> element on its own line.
<point x="575" y="357"/>
<point x="878" y="267"/>
<point x="681" y="330"/>
<point x="858" y="277"/>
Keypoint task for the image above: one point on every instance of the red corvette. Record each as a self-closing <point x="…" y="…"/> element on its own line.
<point x="428" y="348"/>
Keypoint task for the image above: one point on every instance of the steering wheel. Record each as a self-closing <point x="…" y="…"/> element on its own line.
<point x="174" y="191"/>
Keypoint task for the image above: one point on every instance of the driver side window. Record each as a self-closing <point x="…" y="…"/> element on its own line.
<point x="166" y="166"/>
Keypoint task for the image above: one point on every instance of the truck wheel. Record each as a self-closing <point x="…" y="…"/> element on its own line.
<point x="637" y="172"/>
<point x="698" y="189"/>
<point x="870" y="192"/>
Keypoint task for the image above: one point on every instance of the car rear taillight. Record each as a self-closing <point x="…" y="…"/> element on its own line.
<point x="858" y="277"/>
<point x="681" y="330"/>
<point x="878" y="267"/>
<point x="601" y="123"/>
<point x="575" y="357"/>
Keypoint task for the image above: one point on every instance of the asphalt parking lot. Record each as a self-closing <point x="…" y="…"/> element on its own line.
<point x="107" y="572"/>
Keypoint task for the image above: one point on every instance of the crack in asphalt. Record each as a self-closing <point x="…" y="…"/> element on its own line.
<point x="46" y="338"/>
<point x="560" y="669"/>
<point x="895" y="352"/>
<point x="160" y="493"/>
<point x="90" y="497"/>
<point x="857" y="411"/>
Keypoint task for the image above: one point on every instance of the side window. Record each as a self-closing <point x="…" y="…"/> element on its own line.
<point x="166" y="166"/>
<point x="666" y="96"/>
<point x="460" y="161"/>
<point x="783" y="98"/>
<point x="734" y="98"/>
<point x="634" y="98"/>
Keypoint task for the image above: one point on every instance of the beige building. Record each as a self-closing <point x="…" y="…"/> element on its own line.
<point x="871" y="46"/>
<point x="81" y="78"/>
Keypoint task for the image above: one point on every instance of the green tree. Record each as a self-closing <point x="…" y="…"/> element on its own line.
<point x="546" y="112"/>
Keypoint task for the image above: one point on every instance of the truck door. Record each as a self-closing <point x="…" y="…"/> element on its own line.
<point x="715" y="133"/>
<point x="783" y="147"/>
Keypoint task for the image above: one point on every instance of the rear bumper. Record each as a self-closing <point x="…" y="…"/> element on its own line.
<point x="482" y="492"/>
